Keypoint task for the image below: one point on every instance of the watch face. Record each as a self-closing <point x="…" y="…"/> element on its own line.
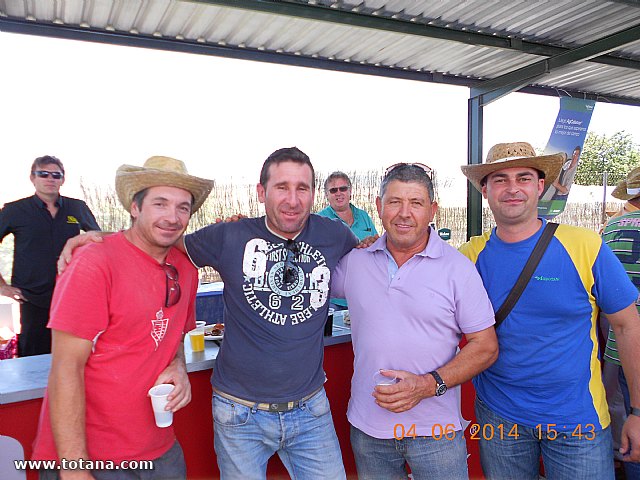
<point x="440" y="390"/>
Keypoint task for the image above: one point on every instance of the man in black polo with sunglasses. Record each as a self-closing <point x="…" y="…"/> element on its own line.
<point x="41" y="225"/>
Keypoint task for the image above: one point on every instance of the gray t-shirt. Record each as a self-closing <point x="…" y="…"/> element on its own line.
<point x="273" y="345"/>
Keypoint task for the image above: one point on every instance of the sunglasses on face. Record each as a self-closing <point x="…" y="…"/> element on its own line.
<point x="45" y="174"/>
<point x="173" y="287"/>
<point x="335" y="190"/>
<point x="426" y="168"/>
<point x="290" y="270"/>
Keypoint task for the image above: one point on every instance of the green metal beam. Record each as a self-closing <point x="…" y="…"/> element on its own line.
<point x="497" y="87"/>
<point x="356" y="19"/>
<point x="633" y="3"/>
<point x="474" y="157"/>
<point x="191" y="46"/>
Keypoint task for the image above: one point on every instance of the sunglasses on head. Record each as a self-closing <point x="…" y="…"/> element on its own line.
<point x="426" y="168"/>
<point x="335" y="190"/>
<point x="173" y="287"/>
<point x="45" y="174"/>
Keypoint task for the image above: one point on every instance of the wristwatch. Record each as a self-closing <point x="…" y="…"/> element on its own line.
<point x="441" y="387"/>
<point x="635" y="411"/>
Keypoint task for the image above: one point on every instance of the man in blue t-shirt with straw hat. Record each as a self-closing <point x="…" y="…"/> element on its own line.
<point x="544" y="396"/>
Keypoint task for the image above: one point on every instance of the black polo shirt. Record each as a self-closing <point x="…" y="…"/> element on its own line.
<point x="39" y="239"/>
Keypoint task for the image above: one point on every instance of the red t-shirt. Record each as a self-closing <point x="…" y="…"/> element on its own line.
<point x="114" y="294"/>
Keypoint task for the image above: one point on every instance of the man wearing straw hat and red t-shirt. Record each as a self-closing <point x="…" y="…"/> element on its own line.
<point x="544" y="396"/>
<point x="118" y="318"/>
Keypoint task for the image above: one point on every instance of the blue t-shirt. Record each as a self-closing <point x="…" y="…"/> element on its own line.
<point x="273" y="346"/>
<point x="363" y="226"/>
<point x="548" y="371"/>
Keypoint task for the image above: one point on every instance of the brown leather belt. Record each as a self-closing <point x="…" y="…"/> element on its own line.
<point x="267" y="407"/>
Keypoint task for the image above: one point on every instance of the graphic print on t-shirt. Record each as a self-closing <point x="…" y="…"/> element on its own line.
<point x="159" y="327"/>
<point x="277" y="297"/>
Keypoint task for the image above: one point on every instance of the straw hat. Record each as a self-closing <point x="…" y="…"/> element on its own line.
<point x="510" y="155"/>
<point x="630" y="187"/>
<point x="160" y="171"/>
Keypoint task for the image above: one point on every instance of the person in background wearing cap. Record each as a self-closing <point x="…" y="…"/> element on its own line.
<point x="40" y="224"/>
<point x="544" y="396"/>
<point x="422" y="296"/>
<point x="622" y="235"/>
<point x="119" y="315"/>
<point x="337" y="189"/>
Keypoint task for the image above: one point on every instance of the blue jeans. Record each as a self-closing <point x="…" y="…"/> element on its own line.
<point x="631" y="470"/>
<point x="304" y="438"/>
<point x="565" y="458"/>
<point x="428" y="458"/>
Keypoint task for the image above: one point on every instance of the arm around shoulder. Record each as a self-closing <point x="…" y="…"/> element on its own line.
<point x="78" y="241"/>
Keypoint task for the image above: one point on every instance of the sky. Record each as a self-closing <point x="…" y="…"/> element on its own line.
<point x="98" y="106"/>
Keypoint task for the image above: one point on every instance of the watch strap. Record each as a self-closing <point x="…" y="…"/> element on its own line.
<point x="441" y="387"/>
<point x="437" y="377"/>
<point x="635" y="411"/>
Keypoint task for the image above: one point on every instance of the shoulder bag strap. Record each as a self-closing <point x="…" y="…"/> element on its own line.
<point x="527" y="271"/>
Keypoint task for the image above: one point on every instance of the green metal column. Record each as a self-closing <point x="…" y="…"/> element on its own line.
<point x="474" y="157"/>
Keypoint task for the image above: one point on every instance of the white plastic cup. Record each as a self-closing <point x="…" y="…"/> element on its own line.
<point x="159" y="394"/>
<point x="380" y="379"/>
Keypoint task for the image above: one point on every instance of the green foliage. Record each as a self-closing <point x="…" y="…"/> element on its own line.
<point x="616" y="155"/>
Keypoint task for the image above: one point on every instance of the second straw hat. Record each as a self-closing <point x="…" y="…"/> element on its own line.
<point x="160" y="171"/>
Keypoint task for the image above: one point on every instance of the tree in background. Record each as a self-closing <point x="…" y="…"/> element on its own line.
<point x="616" y="155"/>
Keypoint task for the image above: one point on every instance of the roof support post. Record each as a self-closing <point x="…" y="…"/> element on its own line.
<point x="475" y="126"/>
<point x="474" y="157"/>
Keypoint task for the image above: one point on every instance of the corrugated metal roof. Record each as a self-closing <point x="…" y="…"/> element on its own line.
<point x="449" y="41"/>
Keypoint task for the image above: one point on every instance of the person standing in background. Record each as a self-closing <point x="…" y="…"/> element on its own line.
<point x="622" y="235"/>
<point x="41" y="224"/>
<point x="337" y="189"/>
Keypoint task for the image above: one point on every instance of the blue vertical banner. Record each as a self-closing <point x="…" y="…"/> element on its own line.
<point x="568" y="135"/>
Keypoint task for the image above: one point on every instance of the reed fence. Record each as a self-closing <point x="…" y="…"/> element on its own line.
<point x="227" y="199"/>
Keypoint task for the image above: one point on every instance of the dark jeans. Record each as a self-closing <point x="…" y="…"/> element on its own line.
<point x="35" y="337"/>
<point x="631" y="470"/>
<point x="169" y="466"/>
